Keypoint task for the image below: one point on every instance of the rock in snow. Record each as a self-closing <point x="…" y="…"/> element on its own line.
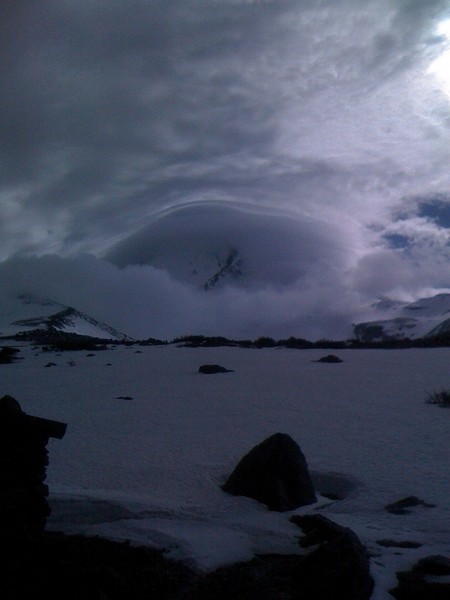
<point x="8" y="355"/>
<point x="401" y="507"/>
<point x="275" y="473"/>
<point x="212" y="369"/>
<point x="429" y="579"/>
<point x="330" y="358"/>
<point x="339" y="567"/>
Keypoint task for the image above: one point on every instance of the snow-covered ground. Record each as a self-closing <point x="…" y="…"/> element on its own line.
<point x="149" y="469"/>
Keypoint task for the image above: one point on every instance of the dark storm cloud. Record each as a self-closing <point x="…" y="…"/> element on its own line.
<point x="103" y="102"/>
<point x="112" y="81"/>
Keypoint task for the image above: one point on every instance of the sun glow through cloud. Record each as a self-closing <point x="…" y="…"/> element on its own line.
<point x="440" y="67"/>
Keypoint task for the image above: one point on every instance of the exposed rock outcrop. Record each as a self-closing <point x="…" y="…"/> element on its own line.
<point x="338" y="568"/>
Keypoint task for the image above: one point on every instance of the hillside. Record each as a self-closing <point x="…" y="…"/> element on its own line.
<point x="27" y="313"/>
<point x="427" y="317"/>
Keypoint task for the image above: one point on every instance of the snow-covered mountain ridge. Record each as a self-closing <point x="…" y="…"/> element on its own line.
<point x="394" y="320"/>
<point x="426" y="317"/>
<point x="28" y="312"/>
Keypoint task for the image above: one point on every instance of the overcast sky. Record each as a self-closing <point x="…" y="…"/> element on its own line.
<point x="312" y="136"/>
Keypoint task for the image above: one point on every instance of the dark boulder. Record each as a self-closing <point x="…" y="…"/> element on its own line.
<point x="338" y="568"/>
<point x="211" y="369"/>
<point x="8" y="355"/>
<point x="389" y="543"/>
<point x="428" y="579"/>
<point x="401" y="507"/>
<point x="329" y="358"/>
<point x="9" y="404"/>
<point x="275" y="473"/>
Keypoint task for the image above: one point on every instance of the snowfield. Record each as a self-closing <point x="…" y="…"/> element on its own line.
<point x="149" y="469"/>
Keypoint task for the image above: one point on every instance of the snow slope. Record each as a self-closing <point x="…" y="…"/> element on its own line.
<point x="27" y="312"/>
<point x="427" y="316"/>
<point x="149" y="469"/>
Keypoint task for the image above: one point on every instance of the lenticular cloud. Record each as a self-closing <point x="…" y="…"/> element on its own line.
<point x="260" y="247"/>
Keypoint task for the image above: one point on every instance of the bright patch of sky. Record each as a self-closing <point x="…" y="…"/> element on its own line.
<point x="440" y="67"/>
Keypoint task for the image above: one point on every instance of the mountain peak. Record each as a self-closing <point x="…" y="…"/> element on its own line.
<point x="424" y="317"/>
<point x="32" y="312"/>
<point x="231" y="267"/>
